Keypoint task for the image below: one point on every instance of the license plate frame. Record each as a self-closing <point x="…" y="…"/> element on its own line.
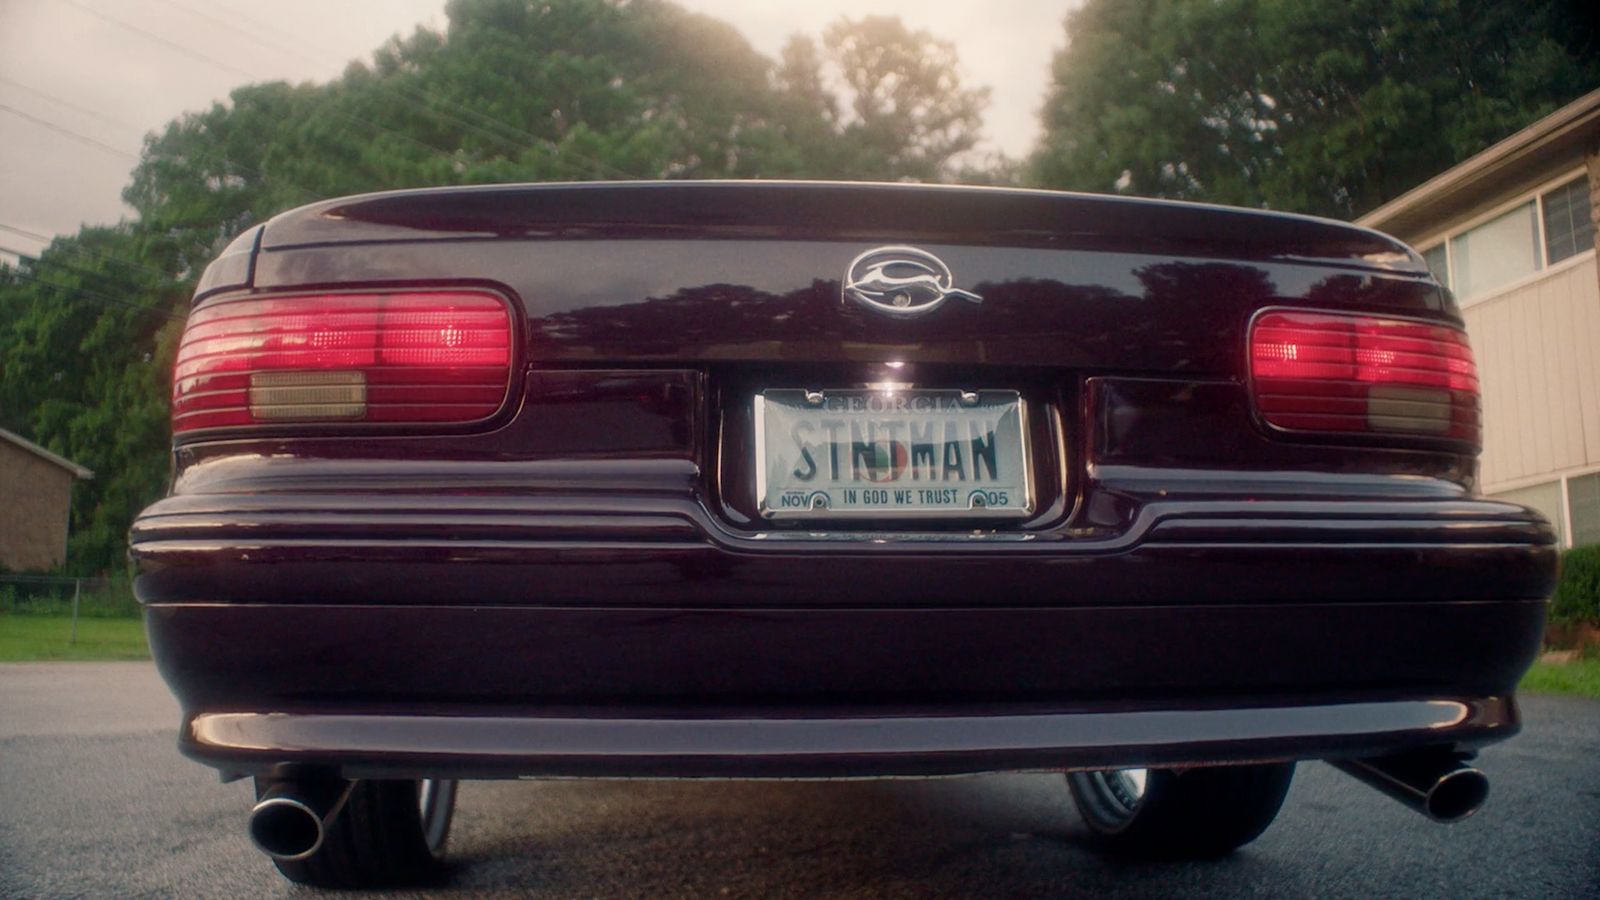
<point x="1009" y="407"/>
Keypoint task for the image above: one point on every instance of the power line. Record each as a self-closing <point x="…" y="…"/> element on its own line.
<point x="47" y="238"/>
<point x="296" y="52"/>
<point x="83" y="138"/>
<point x="245" y="17"/>
<point x="436" y="150"/>
<point x="228" y="67"/>
<point x="150" y="35"/>
<point x="115" y="121"/>
<point x="247" y="33"/>
<point x="80" y="248"/>
<point x="69" y="104"/>
<point x="78" y="270"/>
<point x="89" y="112"/>
<point x="557" y="155"/>
<point x="68" y="132"/>
<point x="544" y="143"/>
<point x="422" y="100"/>
<point x="83" y="292"/>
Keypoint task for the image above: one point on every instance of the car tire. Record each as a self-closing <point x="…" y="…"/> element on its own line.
<point x="1199" y="813"/>
<point x="389" y="833"/>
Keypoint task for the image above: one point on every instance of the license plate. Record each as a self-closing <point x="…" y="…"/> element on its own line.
<point x="885" y="454"/>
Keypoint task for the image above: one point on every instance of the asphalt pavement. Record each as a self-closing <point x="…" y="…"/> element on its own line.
<point x="96" y="802"/>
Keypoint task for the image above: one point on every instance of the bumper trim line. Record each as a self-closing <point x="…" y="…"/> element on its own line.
<point x="366" y="744"/>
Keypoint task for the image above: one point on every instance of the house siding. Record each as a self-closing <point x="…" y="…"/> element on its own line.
<point x="35" y="501"/>
<point x="1539" y="367"/>
<point x="1538" y="340"/>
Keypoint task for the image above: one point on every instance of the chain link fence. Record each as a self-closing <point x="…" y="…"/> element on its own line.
<point x="53" y="595"/>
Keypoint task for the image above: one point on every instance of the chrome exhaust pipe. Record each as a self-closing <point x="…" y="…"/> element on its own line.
<point x="291" y="819"/>
<point x="1438" y="785"/>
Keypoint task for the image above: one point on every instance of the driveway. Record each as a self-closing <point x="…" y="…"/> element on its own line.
<point x="95" y="801"/>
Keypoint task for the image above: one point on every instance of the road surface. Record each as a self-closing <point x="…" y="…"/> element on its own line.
<point x="96" y="802"/>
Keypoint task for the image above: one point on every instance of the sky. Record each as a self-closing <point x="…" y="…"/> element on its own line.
<point x="78" y="91"/>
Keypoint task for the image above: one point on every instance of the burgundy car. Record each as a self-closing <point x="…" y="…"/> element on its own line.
<point x="745" y="480"/>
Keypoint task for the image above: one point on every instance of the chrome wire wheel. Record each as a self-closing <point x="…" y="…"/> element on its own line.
<point x="1110" y="798"/>
<point x="436" y="801"/>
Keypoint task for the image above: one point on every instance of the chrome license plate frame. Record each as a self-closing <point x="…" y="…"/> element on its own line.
<point x="1001" y="416"/>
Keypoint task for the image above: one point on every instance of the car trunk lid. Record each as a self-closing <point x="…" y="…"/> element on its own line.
<point x="756" y="272"/>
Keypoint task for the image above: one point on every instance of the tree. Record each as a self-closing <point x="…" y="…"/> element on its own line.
<point x="511" y="90"/>
<point x="1299" y="104"/>
<point x="88" y="333"/>
<point x="909" y="116"/>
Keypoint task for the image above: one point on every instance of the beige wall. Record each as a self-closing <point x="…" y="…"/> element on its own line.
<point x="1538" y="351"/>
<point x="1537" y="342"/>
<point x="35" y="498"/>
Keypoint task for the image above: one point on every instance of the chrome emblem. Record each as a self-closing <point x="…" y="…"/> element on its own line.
<point x="901" y="281"/>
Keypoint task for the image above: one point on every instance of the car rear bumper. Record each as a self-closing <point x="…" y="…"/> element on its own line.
<point x="550" y="691"/>
<point x="584" y="642"/>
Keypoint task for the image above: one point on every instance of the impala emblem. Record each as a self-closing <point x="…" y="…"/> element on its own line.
<point x="901" y="281"/>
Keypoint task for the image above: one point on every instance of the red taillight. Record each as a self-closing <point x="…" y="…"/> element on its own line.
<point x="1324" y="372"/>
<point x="403" y="356"/>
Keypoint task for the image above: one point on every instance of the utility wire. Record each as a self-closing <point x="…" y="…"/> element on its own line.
<point x="79" y="248"/>
<point x="423" y="101"/>
<point x="83" y="138"/>
<point x="246" y="33"/>
<point x="69" y="266"/>
<point x="46" y="238"/>
<point x="298" y="54"/>
<point x="545" y="143"/>
<point x="245" y="17"/>
<point x="166" y="42"/>
<point x="228" y="67"/>
<point x="68" y="132"/>
<point x="83" y="292"/>
<point x="69" y="104"/>
<point x="53" y="126"/>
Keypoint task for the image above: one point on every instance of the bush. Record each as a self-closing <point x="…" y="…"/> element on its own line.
<point x="1577" y="597"/>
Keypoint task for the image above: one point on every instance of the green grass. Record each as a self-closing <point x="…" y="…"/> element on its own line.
<point x="27" y="638"/>
<point x="1580" y="677"/>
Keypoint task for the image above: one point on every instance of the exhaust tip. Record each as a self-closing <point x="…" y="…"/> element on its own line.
<point x="1433" y="782"/>
<point x="1457" y="795"/>
<point x="285" y="828"/>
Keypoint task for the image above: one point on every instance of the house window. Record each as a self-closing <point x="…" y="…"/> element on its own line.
<point x="1583" y="503"/>
<point x="1544" y="229"/>
<point x="1497" y="252"/>
<point x="1438" y="260"/>
<point x="1546" y="498"/>
<point x="1568" y="228"/>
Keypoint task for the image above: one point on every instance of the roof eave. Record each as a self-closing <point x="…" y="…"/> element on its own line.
<point x="56" y="459"/>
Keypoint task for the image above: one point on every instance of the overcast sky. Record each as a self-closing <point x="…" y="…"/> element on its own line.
<point x="66" y="67"/>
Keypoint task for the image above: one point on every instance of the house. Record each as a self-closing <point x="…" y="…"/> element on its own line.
<point x="35" y="502"/>
<point x="1512" y="232"/>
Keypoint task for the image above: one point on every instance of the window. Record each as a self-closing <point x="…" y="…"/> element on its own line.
<point x="1543" y="230"/>
<point x="1583" y="499"/>
<point x="1568" y="228"/>
<point x="1546" y="498"/>
<point x="1497" y="252"/>
<point x="1438" y="260"/>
